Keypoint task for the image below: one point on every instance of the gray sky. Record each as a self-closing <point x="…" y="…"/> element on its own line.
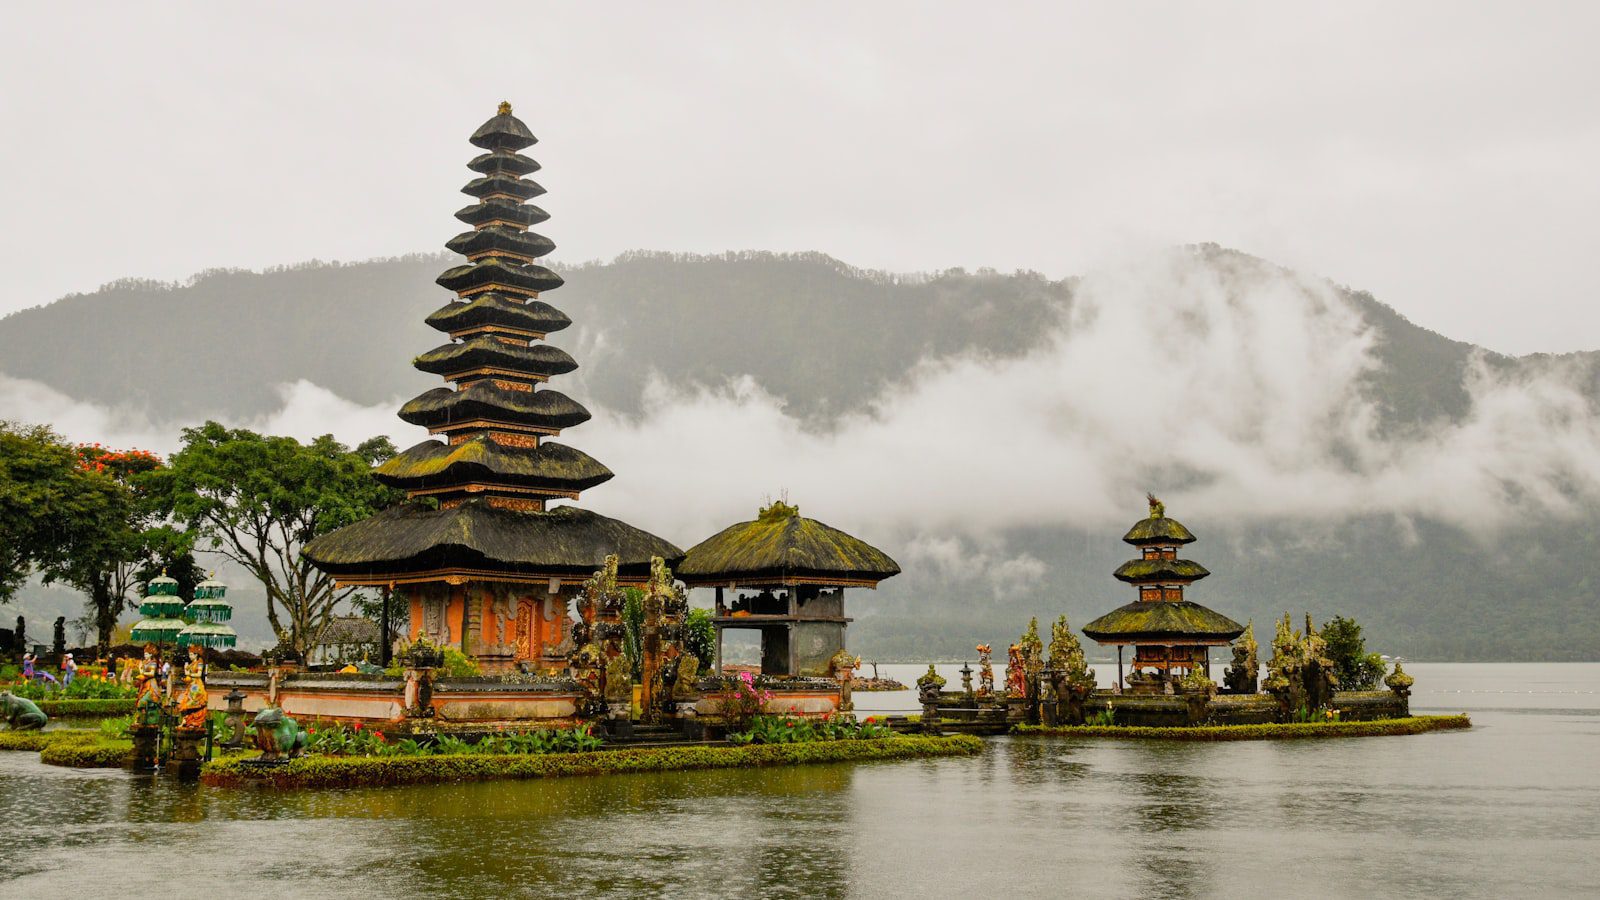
<point x="1442" y="156"/>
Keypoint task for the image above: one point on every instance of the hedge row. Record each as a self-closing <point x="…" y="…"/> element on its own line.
<point x="67" y="708"/>
<point x="87" y="754"/>
<point x="40" y="740"/>
<point x="349" y="771"/>
<point x="1274" y="732"/>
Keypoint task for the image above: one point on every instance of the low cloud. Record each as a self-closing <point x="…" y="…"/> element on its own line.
<point x="1233" y="389"/>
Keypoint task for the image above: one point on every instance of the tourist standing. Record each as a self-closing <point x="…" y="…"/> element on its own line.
<point x="69" y="671"/>
<point x="27" y="667"/>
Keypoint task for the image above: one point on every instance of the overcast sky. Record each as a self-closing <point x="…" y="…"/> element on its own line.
<point x="1443" y="156"/>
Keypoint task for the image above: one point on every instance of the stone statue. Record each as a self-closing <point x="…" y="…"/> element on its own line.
<point x="59" y="645"/>
<point x="277" y="735"/>
<point x="21" y="714"/>
<point x="686" y="683"/>
<point x="1016" y="671"/>
<point x="842" y="665"/>
<point x="1243" y="672"/>
<point x="929" y="686"/>
<point x="1071" y="679"/>
<point x="147" y="708"/>
<point x="21" y="636"/>
<point x="985" y="671"/>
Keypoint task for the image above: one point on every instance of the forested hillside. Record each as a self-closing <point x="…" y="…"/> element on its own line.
<point x="829" y="340"/>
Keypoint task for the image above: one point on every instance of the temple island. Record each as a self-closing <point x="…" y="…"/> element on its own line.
<point x="535" y="628"/>
<point x="491" y="557"/>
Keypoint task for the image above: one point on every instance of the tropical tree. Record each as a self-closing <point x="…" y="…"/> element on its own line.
<point x="257" y="499"/>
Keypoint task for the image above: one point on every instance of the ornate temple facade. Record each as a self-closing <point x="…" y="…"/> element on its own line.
<point x="1169" y="634"/>
<point x="478" y="553"/>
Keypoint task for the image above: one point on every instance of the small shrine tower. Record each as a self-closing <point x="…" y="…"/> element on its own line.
<point x="1168" y="633"/>
<point x="483" y="560"/>
<point x="799" y="569"/>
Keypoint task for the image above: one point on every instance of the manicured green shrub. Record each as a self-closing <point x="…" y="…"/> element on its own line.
<point x="83" y="688"/>
<point x="793" y="730"/>
<point x="1292" y="731"/>
<point x="38" y="740"/>
<point x="68" y="708"/>
<point x="95" y="753"/>
<point x="329" y="771"/>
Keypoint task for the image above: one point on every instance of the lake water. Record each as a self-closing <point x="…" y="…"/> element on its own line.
<point x="1509" y="808"/>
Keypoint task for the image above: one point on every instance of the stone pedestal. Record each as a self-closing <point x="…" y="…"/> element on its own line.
<point x="146" y="740"/>
<point x="186" y="752"/>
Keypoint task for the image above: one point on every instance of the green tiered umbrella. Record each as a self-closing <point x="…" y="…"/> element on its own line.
<point x="208" y="611"/>
<point x="160" y="609"/>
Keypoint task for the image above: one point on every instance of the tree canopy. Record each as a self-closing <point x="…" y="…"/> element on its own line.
<point x="257" y="499"/>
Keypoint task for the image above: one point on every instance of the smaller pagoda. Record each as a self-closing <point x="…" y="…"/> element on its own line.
<point x="1169" y="634"/>
<point x="797" y="569"/>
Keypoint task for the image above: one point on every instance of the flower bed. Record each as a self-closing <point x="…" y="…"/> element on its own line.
<point x="1273" y="732"/>
<point x="348" y="771"/>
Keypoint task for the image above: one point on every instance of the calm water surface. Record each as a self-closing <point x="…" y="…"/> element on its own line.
<point x="1510" y="808"/>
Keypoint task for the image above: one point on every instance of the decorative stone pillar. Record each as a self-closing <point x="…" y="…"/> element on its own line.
<point x="235" y="719"/>
<point x="966" y="680"/>
<point x="929" y="687"/>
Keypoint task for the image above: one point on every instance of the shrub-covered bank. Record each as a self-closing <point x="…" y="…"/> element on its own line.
<point x="67" y="708"/>
<point x="313" y="771"/>
<point x="1273" y="732"/>
<point x="93" y="753"/>
<point x="38" y="740"/>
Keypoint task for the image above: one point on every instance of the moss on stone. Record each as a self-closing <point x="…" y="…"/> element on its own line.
<point x="780" y="542"/>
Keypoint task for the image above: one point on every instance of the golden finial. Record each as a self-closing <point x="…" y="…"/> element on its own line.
<point x="505" y="108"/>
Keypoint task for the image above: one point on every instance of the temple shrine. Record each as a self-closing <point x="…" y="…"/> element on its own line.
<point x="1169" y="634"/>
<point x="797" y="570"/>
<point x="478" y="552"/>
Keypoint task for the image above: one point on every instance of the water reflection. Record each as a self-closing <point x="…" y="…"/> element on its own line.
<point x="1505" y="809"/>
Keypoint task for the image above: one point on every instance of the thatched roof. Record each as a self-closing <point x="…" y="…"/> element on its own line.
<point x="498" y="270"/>
<point x="503" y="161"/>
<point x="500" y="237"/>
<point x="504" y="185"/>
<point x="486" y="400"/>
<point x="494" y="308"/>
<point x="1135" y="571"/>
<point x="1158" y="530"/>
<point x="1151" y="622"/>
<point x="483" y="350"/>
<point x="782" y="547"/>
<point x="524" y="214"/>
<point x="409" y="538"/>
<point x="479" y="459"/>
<point x="503" y="132"/>
<point x="352" y="630"/>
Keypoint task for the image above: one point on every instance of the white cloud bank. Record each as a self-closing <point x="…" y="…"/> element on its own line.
<point x="1230" y="388"/>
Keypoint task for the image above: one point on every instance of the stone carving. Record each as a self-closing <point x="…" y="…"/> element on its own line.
<point x="433" y="607"/>
<point x="277" y="735"/>
<point x="985" y="671"/>
<point x="929" y="686"/>
<point x="21" y="714"/>
<point x="1299" y="674"/>
<point x="1242" y="674"/>
<point x="1071" y="680"/>
<point x="504" y="618"/>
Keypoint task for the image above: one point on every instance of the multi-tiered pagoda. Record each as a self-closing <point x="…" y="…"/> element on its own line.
<point x="486" y="562"/>
<point x="1169" y="634"/>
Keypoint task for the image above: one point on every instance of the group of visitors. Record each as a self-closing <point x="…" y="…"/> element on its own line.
<point x="32" y="672"/>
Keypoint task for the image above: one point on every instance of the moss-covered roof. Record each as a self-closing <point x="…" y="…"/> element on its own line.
<point x="503" y="132"/>
<point x="500" y="237"/>
<point x="543" y="409"/>
<point x="550" y="465"/>
<point x="562" y="542"/>
<point x="503" y="161"/>
<point x="496" y="270"/>
<point x="781" y="544"/>
<point x="524" y="214"/>
<point x="483" y="350"/>
<point x="1135" y="571"/>
<point x="1151" y="622"/>
<point x="507" y="185"/>
<point x="1158" y="530"/>
<point x="495" y="308"/>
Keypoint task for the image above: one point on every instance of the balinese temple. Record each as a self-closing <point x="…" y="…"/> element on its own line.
<point x="485" y="561"/>
<point x="796" y="570"/>
<point x="1169" y="634"/>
